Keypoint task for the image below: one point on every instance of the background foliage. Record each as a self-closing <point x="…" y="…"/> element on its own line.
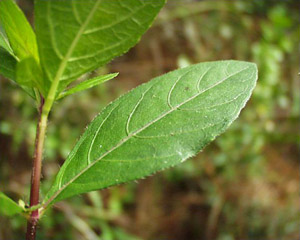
<point x="243" y="186"/>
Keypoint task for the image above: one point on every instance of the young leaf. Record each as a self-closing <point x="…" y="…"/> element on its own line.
<point x="88" y="84"/>
<point x="8" y="207"/>
<point x="76" y="37"/>
<point x="19" y="32"/>
<point x="29" y="74"/>
<point x="155" y="126"/>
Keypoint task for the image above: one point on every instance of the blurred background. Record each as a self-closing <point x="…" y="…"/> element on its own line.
<point x="245" y="185"/>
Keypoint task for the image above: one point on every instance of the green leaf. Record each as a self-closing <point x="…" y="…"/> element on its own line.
<point x="8" y="207"/>
<point x="29" y="74"/>
<point x="8" y="69"/>
<point x="155" y="126"/>
<point x="17" y="42"/>
<point x="75" y="37"/>
<point x="88" y="84"/>
<point x="7" y="64"/>
<point x="4" y="43"/>
<point x="19" y="32"/>
<point x="8" y="61"/>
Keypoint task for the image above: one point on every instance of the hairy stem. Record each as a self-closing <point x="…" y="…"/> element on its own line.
<point x="36" y="172"/>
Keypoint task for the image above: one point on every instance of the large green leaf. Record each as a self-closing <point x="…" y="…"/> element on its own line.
<point x="88" y="84"/>
<point x="19" y="32"/>
<point x="8" y="207"/>
<point x="155" y="126"/>
<point x="75" y="37"/>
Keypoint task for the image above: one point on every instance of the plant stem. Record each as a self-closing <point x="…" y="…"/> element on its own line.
<point x="36" y="172"/>
<point x="44" y="110"/>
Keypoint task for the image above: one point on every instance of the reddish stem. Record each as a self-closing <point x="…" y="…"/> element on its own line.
<point x="36" y="174"/>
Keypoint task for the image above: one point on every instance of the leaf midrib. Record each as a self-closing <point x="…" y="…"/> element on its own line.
<point x="135" y="133"/>
<point x="64" y="62"/>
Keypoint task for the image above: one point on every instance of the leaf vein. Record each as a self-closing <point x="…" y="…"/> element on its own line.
<point x="94" y="54"/>
<point x="96" y="133"/>
<point x="97" y="29"/>
<point x="172" y="88"/>
<point x="200" y="79"/>
<point x="76" y="15"/>
<point x="181" y="132"/>
<point x="52" y="32"/>
<point x="134" y="109"/>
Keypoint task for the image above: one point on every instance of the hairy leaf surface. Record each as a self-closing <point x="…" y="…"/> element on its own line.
<point x="88" y="84"/>
<point x="76" y="37"/>
<point x="8" y="207"/>
<point x="155" y="126"/>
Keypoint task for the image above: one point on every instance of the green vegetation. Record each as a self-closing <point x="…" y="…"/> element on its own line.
<point x="242" y="186"/>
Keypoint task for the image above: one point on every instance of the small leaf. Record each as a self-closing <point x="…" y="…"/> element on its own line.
<point x="88" y="84"/>
<point x="76" y="37"/>
<point x="8" y="207"/>
<point x="155" y="126"/>
<point x="19" y="32"/>
<point x="29" y="74"/>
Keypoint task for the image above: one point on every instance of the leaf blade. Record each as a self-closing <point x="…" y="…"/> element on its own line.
<point x="8" y="69"/>
<point x="30" y="75"/>
<point x="4" y="43"/>
<point x="157" y="125"/>
<point x="97" y="32"/>
<point x="88" y="84"/>
<point x="18" y="30"/>
<point x="8" y="207"/>
<point x="7" y="65"/>
<point x="18" y="39"/>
